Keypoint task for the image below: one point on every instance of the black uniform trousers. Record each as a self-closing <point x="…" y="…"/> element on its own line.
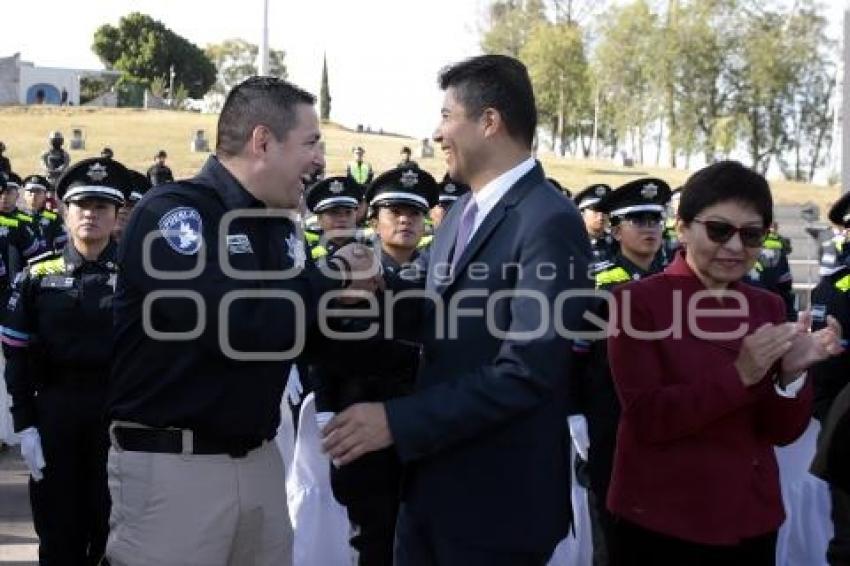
<point x="636" y="546"/>
<point x="838" y="551"/>
<point x="71" y="503"/>
<point x="417" y="545"/>
<point x="369" y="489"/>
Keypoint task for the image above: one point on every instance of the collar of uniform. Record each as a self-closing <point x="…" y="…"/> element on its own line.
<point x="74" y="260"/>
<point x="216" y="176"/>
<point x="630" y="266"/>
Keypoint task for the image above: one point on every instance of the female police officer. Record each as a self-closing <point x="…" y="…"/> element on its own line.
<point x="57" y="340"/>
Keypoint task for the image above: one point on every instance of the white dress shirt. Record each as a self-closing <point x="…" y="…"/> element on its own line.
<point x="487" y="197"/>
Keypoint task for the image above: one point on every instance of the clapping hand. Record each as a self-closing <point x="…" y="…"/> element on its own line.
<point x="809" y="348"/>
<point x="763" y="348"/>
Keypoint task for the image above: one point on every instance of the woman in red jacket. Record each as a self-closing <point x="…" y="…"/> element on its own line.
<point x="710" y="378"/>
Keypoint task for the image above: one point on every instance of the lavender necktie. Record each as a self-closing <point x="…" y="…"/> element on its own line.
<point x="464" y="231"/>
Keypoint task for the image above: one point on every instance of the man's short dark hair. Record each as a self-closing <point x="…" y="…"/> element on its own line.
<point x="499" y="82"/>
<point x="726" y="181"/>
<point x="266" y="101"/>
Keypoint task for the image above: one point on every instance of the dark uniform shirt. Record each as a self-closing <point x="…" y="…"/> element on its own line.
<point x="592" y="392"/>
<point x="159" y="174"/>
<point x="55" y="160"/>
<point x="603" y="248"/>
<point x="50" y="229"/>
<point x="772" y="272"/>
<point x="58" y="326"/>
<point x="18" y="242"/>
<point x="197" y="384"/>
<point x="831" y="296"/>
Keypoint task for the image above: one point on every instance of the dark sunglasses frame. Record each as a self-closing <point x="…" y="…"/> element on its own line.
<point x="721" y="232"/>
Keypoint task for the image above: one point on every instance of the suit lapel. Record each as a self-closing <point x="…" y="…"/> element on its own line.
<point x="514" y="195"/>
<point x="444" y="241"/>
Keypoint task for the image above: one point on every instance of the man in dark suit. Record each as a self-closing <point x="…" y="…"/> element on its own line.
<point x="484" y="438"/>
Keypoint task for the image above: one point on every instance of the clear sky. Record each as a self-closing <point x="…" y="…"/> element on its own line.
<point x="383" y="55"/>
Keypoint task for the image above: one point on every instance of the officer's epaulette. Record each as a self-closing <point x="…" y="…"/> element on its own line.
<point x="843" y="284"/>
<point x="10" y="222"/>
<point x="612" y="276"/>
<point x="312" y="237"/>
<point x="317" y="252"/>
<point x="772" y="243"/>
<point x="49" y="214"/>
<point x="48" y="263"/>
<point x="23" y="217"/>
<point x="600" y="266"/>
<point x="424" y="242"/>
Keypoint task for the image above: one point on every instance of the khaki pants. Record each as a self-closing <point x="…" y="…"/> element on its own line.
<point x="175" y="509"/>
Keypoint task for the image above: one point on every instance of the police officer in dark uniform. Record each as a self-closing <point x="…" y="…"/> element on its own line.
<point x="57" y="339"/>
<point x="602" y="244"/>
<point x="48" y="224"/>
<point x="334" y="201"/>
<point x="636" y="210"/>
<point x="55" y="159"/>
<point x="159" y="173"/>
<point x="217" y="261"/>
<point x="772" y="272"/>
<point x="831" y="297"/>
<point x="5" y="163"/>
<point x="449" y="192"/>
<point x="139" y="185"/>
<point x="383" y="367"/>
<point x="18" y="241"/>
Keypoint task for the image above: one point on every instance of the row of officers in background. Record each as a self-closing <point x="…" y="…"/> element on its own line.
<point x="57" y="330"/>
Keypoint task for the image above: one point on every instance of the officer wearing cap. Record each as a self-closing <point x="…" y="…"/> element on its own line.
<point x="159" y="173"/>
<point x="48" y="224"/>
<point x="55" y="159"/>
<point x="358" y="169"/>
<point x="18" y="240"/>
<point x="383" y="367"/>
<point x="57" y="338"/>
<point x="9" y="208"/>
<point x="636" y="211"/>
<point x="139" y="185"/>
<point x="449" y="192"/>
<point x="334" y="201"/>
<point x="602" y="244"/>
<point x="831" y="296"/>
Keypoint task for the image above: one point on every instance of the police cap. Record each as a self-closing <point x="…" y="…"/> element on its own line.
<point x="649" y="194"/>
<point x="450" y="191"/>
<point x="403" y="185"/>
<point x="94" y="178"/>
<point x="839" y="213"/>
<point x="13" y="181"/>
<point x="589" y="196"/>
<point x="36" y="183"/>
<point x="139" y="184"/>
<point x="333" y="192"/>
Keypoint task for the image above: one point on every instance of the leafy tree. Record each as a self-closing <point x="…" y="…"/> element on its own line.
<point x="510" y="24"/>
<point x="554" y="54"/>
<point x="143" y="48"/>
<point x="236" y="60"/>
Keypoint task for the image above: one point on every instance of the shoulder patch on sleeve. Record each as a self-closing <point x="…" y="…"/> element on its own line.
<point x="182" y="228"/>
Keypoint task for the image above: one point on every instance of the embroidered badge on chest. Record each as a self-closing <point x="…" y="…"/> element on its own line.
<point x="182" y="229"/>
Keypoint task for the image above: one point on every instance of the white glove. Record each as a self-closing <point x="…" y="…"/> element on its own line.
<point x="293" y="389"/>
<point x="31" y="452"/>
<point x="578" y="431"/>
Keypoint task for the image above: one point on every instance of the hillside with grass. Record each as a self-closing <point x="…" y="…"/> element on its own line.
<point x="136" y="134"/>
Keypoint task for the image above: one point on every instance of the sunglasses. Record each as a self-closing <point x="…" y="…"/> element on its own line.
<point x="721" y="232"/>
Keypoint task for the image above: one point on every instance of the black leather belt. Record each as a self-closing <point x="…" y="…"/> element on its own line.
<point x="176" y="441"/>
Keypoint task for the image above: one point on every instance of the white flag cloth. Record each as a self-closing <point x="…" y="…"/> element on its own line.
<point x="577" y="548"/>
<point x="7" y="427"/>
<point x="804" y="536"/>
<point x="320" y="523"/>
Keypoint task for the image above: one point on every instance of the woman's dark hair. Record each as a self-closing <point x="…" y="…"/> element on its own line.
<point x="726" y="181"/>
<point x="499" y="82"/>
<point x="258" y="100"/>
